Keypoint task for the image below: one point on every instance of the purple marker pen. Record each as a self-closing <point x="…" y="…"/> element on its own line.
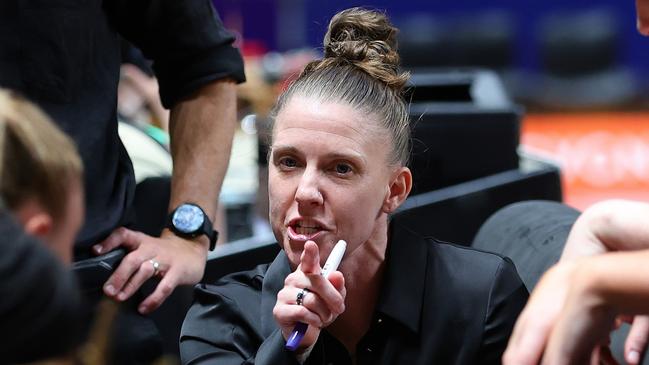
<point x="330" y="266"/>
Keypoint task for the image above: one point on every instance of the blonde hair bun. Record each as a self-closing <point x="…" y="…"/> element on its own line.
<point x="367" y="39"/>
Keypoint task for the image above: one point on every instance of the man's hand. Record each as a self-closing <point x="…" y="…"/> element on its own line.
<point x="201" y="128"/>
<point x="181" y="262"/>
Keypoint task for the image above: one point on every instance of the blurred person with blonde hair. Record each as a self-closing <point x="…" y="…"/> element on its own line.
<point x="41" y="190"/>
<point x="41" y="181"/>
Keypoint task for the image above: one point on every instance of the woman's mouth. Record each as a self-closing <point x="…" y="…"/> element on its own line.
<point x="304" y="230"/>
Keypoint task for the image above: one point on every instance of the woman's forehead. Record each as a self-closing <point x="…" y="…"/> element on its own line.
<point x="329" y="128"/>
<point x="331" y="117"/>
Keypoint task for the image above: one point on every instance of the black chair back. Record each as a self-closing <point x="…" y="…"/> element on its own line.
<point x="455" y="213"/>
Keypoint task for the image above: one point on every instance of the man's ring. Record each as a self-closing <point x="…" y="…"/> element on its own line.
<point x="300" y="296"/>
<point x="156" y="266"/>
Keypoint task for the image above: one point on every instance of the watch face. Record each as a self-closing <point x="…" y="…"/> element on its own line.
<point x="188" y="218"/>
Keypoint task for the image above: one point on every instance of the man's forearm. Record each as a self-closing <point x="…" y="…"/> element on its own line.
<point x="201" y="129"/>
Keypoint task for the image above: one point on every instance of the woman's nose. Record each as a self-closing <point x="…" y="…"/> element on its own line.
<point x="308" y="191"/>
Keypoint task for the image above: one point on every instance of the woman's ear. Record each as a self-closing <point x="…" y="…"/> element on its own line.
<point x="398" y="189"/>
<point x="34" y="219"/>
<point x="39" y="225"/>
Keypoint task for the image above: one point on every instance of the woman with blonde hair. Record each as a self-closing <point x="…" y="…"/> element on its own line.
<point x="337" y="170"/>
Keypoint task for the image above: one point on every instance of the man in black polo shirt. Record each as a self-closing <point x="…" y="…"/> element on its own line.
<point x="65" y="56"/>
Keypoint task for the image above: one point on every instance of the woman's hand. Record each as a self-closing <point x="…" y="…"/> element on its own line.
<point x="322" y="304"/>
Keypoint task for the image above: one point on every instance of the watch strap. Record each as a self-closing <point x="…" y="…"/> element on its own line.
<point x="210" y="232"/>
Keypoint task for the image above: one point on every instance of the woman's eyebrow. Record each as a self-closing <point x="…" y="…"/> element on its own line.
<point x="283" y="148"/>
<point x="337" y="155"/>
<point x="345" y="156"/>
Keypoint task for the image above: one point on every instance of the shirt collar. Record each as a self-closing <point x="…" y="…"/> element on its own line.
<point x="402" y="291"/>
<point x="403" y="286"/>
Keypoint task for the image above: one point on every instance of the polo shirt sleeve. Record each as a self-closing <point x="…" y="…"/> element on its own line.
<point x="185" y="39"/>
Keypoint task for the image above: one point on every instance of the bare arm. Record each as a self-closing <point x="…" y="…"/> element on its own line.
<point x="619" y="279"/>
<point x="201" y="127"/>
<point x="601" y="288"/>
<point x="612" y="225"/>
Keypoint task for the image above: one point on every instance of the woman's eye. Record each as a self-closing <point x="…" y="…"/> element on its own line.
<point x="343" y="169"/>
<point x="288" y="162"/>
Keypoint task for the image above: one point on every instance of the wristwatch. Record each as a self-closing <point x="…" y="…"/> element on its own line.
<point x="190" y="221"/>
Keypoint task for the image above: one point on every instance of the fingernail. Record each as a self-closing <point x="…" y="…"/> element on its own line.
<point x="142" y="309"/>
<point x="97" y="248"/>
<point x="109" y="289"/>
<point x="633" y="356"/>
<point x="121" y="296"/>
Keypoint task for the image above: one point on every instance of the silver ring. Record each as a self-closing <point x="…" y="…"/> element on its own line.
<point x="156" y="266"/>
<point x="299" y="300"/>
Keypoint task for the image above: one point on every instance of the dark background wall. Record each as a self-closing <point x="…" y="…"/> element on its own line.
<point x="287" y="24"/>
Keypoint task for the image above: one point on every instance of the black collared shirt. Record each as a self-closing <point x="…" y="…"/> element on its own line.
<point x="65" y="56"/>
<point x="439" y="304"/>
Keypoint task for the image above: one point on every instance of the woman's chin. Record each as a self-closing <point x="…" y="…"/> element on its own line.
<point x="294" y="246"/>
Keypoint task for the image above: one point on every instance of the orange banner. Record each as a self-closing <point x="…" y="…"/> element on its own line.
<point x="602" y="155"/>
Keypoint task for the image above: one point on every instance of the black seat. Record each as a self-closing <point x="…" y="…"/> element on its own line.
<point x="531" y="233"/>
<point x="580" y="55"/>
<point x="484" y="39"/>
<point x="240" y="255"/>
<point x="464" y="127"/>
<point x="455" y="213"/>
